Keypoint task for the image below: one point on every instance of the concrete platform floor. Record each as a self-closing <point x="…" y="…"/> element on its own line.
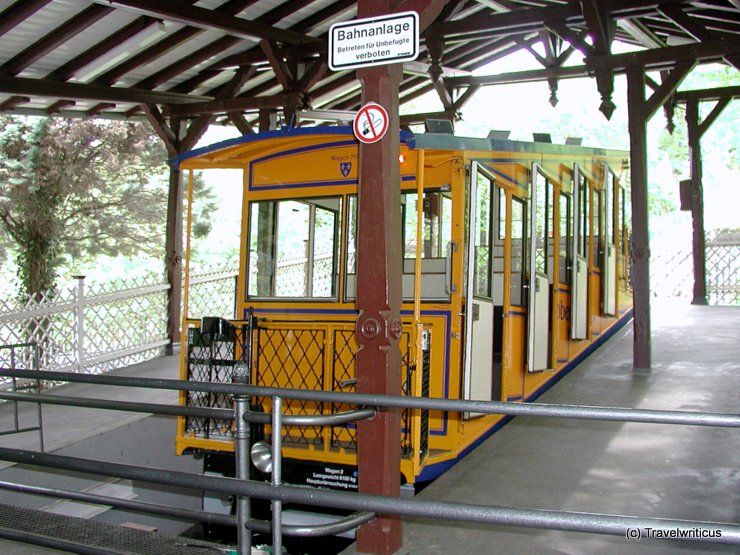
<point x="648" y="470"/>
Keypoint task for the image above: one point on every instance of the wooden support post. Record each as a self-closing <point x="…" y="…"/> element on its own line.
<point x="173" y="262"/>
<point x="379" y="304"/>
<point x="697" y="204"/>
<point x="378" y="330"/>
<point x="640" y="237"/>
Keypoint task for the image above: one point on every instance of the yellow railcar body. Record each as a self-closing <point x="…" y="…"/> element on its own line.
<point x="305" y="333"/>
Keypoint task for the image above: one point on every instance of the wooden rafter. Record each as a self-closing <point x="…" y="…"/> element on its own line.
<point x="58" y="36"/>
<point x="18" y="13"/>
<point x="55" y="89"/>
<point x="183" y="12"/>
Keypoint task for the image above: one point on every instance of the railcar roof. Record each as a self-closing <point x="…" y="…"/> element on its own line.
<point x="232" y="152"/>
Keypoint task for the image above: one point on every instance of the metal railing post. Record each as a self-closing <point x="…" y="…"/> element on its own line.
<point x="242" y="374"/>
<point x="241" y="435"/>
<point x="277" y="469"/>
<point x="79" y="311"/>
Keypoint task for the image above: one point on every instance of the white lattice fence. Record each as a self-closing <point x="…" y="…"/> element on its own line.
<point x="672" y="272"/>
<point x="723" y="274"/>
<point x="213" y="294"/>
<point x="96" y="327"/>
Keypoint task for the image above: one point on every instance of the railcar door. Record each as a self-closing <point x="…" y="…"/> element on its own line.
<point x="579" y="281"/>
<point x="484" y="287"/>
<point x="540" y="271"/>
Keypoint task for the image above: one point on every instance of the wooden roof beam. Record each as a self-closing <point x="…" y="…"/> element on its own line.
<point x="52" y="40"/>
<point x="531" y="19"/>
<point x="81" y="91"/>
<point x="230" y="105"/>
<point x="183" y="12"/>
<point x="695" y="28"/>
<point x="19" y="12"/>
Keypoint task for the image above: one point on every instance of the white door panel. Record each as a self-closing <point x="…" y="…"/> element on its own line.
<point x="579" y="300"/>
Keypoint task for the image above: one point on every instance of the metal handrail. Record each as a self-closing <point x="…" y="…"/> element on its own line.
<point x="17" y="428"/>
<point x="333" y="528"/>
<point x="728" y="533"/>
<point x="279" y="493"/>
<point x="578" y="412"/>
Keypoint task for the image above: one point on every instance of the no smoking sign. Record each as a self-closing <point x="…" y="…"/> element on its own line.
<point x="370" y="123"/>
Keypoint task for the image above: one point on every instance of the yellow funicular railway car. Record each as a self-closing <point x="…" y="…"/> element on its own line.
<point x="524" y="270"/>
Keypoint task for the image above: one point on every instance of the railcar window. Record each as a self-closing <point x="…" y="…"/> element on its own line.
<point x="583" y="227"/>
<point x="565" y="231"/>
<point x="436" y="225"/>
<point x="293" y="247"/>
<point x="482" y="236"/>
<point x="598" y="226"/>
<point x="518" y="251"/>
<point x="436" y="234"/>
<point x="609" y="220"/>
<point x="624" y="234"/>
<point x="501" y="204"/>
<point x="543" y="232"/>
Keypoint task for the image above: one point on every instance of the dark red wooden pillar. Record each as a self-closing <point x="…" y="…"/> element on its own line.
<point x="379" y="286"/>
<point x="379" y="305"/>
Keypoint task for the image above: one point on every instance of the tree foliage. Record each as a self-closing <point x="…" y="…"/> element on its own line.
<point x="74" y="189"/>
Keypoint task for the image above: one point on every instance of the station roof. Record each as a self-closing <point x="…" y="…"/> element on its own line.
<point x="214" y="60"/>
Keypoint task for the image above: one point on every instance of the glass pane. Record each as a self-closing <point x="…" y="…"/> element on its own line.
<point x="541" y="231"/>
<point x="482" y="237"/>
<point x="583" y="231"/>
<point x="608" y="209"/>
<point x="518" y="252"/>
<point x="566" y="225"/>
<point x="501" y="233"/>
<point x="436" y="229"/>
<point x="352" y="235"/>
<point x="293" y="248"/>
<point x="325" y="240"/>
<point x="292" y="244"/>
<point x="598" y="227"/>
<point x="261" y="248"/>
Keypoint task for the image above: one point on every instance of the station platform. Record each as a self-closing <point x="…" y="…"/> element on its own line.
<point x="648" y="470"/>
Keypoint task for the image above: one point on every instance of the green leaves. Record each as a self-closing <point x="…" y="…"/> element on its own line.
<point x="78" y="188"/>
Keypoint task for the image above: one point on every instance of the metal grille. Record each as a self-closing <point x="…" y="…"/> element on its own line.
<point x="343" y="379"/>
<point x="319" y="356"/>
<point x="86" y="536"/>
<point x="292" y="358"/>
<point x="212" y="351"/>
<point x="407" y="369"/>
<point x="96" y="327"/>
<point x="424" y="421"/>
<point x="314" y="356"/>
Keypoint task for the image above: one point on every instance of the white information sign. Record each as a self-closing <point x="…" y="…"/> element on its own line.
<point x="374" y="41"/>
